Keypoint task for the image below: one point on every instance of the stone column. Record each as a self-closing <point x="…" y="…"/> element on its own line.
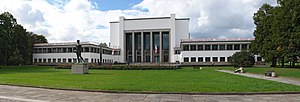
<point x="151" y="46"/>
<point x="133" y="50"/>
<point x="160" y="47"/>
<point x="142" y="46"/>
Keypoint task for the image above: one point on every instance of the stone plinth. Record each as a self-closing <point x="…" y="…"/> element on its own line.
<point x="80" y="68"/>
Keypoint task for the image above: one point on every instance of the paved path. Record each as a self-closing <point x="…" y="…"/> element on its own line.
<point x="278" y="79"/>
<point x="27" y="94"/>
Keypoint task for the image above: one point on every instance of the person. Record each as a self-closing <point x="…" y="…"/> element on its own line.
<point x="240" y="70"/>
<point x="78" y="52"/>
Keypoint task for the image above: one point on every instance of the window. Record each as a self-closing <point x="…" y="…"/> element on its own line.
<point x="244" y="46"/>
<point x="229" y="47"/>
<point x="165" y="40"/>
<point x="54" y="50"/>
<point x="200" y="59"/>
<point x="70" y="50"/>
<point x="92" y="49"/>
<point x="64" y="60"/>
<point x="45" y="50"/>
<point x="200" y="47"/>
<point x="44" y="60"/>
<point x="49" y="59"/>
<point x="207" y="59"/>
<point x="59" y="60"/>
<point x="74" y="60"/>
<point x="40" y="60"/>
<point x="64" y="50"/>
<point x="177" y="52"/>
<point x="215" y="59"/>
<point x="92" y="60"/>
<point x="237" y="47"/>
<point x="69" y="60"/>
<point x="54" y="60"/>
<point x="35" y="60"/>
<point x="86" y="60"/>
<point x="207" y="47"/>
<point x="221" y="47"/>
<point x="259" y="59"/>
<point x="86" y="49"/>
<point x="193" y="47"/>
<point x="186" y="59"/>
<point x="214" y="47"/>
<point x="58" y="50"/>
<point x="186" y="47"/>
<point x="222" y="59"/>
<point x="49" y="50"/>
<point x="193" y="59"/>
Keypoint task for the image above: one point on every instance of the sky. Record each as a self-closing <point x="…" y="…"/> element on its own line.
<point x="88" y="20"/>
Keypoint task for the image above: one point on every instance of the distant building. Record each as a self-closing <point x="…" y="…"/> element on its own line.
<point x="56" y="53"/>
<point x="147" y="40"/>
<point x="211" y="51"/>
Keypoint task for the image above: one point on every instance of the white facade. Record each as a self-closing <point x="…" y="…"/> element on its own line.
<point x="151" y="40"/>
<point x="178" y="29"/>
<point x="55" y="53"/>
<point x="213" y="50"/>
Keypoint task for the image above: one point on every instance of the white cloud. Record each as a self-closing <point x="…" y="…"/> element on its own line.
<point x="210" y="18"/>
<point x="79" y="19"/>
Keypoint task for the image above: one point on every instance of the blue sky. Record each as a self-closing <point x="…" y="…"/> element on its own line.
<point x="116" y="4"/>
<point x="110" y="4"/>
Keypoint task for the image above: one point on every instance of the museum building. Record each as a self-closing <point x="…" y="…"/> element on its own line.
<point x="147" y="40"/>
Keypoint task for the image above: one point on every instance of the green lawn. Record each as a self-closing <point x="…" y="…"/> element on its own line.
<point x="285" y="72"/>
<point x="181" y="80"/>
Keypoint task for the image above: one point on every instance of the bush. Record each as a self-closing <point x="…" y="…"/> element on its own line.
<point x="243" y="58"/>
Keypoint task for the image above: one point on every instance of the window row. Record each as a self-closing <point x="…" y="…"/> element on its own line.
<point x="72" y="50"/>
<point x="69" y="60"/>
<point x="206" y="59"/>
<point x="195" y="47"/>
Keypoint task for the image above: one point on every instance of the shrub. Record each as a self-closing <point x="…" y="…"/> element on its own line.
<point x="243" y="58"/>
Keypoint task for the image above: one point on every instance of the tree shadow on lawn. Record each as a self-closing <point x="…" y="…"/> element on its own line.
<point x="26" y="69"/>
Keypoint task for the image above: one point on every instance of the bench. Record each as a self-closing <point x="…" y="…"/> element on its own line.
<point x="270" y="73"/>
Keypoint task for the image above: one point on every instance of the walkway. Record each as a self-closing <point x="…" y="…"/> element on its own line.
<point x="278" y="79"/>
<point x="27" y="94"/>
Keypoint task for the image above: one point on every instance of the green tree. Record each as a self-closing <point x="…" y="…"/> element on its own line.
<point x="243" y="58"/>
<point x="7" y="23"/>
<point x="277" y="33"/>
<point x="38" y="38"/>
<point x="16" y="43"/>
<point x="263" y="44"/>
<point x="103" y="45"/>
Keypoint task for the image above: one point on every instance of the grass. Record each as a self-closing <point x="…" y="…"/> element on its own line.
<point x="285" y="72"/>
<point x="181" y="80"/>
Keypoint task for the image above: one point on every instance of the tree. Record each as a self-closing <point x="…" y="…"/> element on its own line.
<point x="16" y="43"/>
<point x="243" y="58"/>
<point x="263" y="44"/>
<point x="7" y="24"/>
<point x="38" y="38"/>
<point x="277" y="33"/>
<point x="103" y="45"/>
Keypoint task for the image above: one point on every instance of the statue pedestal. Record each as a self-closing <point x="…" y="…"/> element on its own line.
<point x="80" y="68"/>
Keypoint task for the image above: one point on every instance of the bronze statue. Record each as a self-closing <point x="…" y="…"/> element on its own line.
<point x="78" y="52"/>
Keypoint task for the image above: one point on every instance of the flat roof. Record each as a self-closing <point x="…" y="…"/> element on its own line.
<point x="65" y="43"/>
<point x="151" y="18"/>
<point x="217" y="40"/>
